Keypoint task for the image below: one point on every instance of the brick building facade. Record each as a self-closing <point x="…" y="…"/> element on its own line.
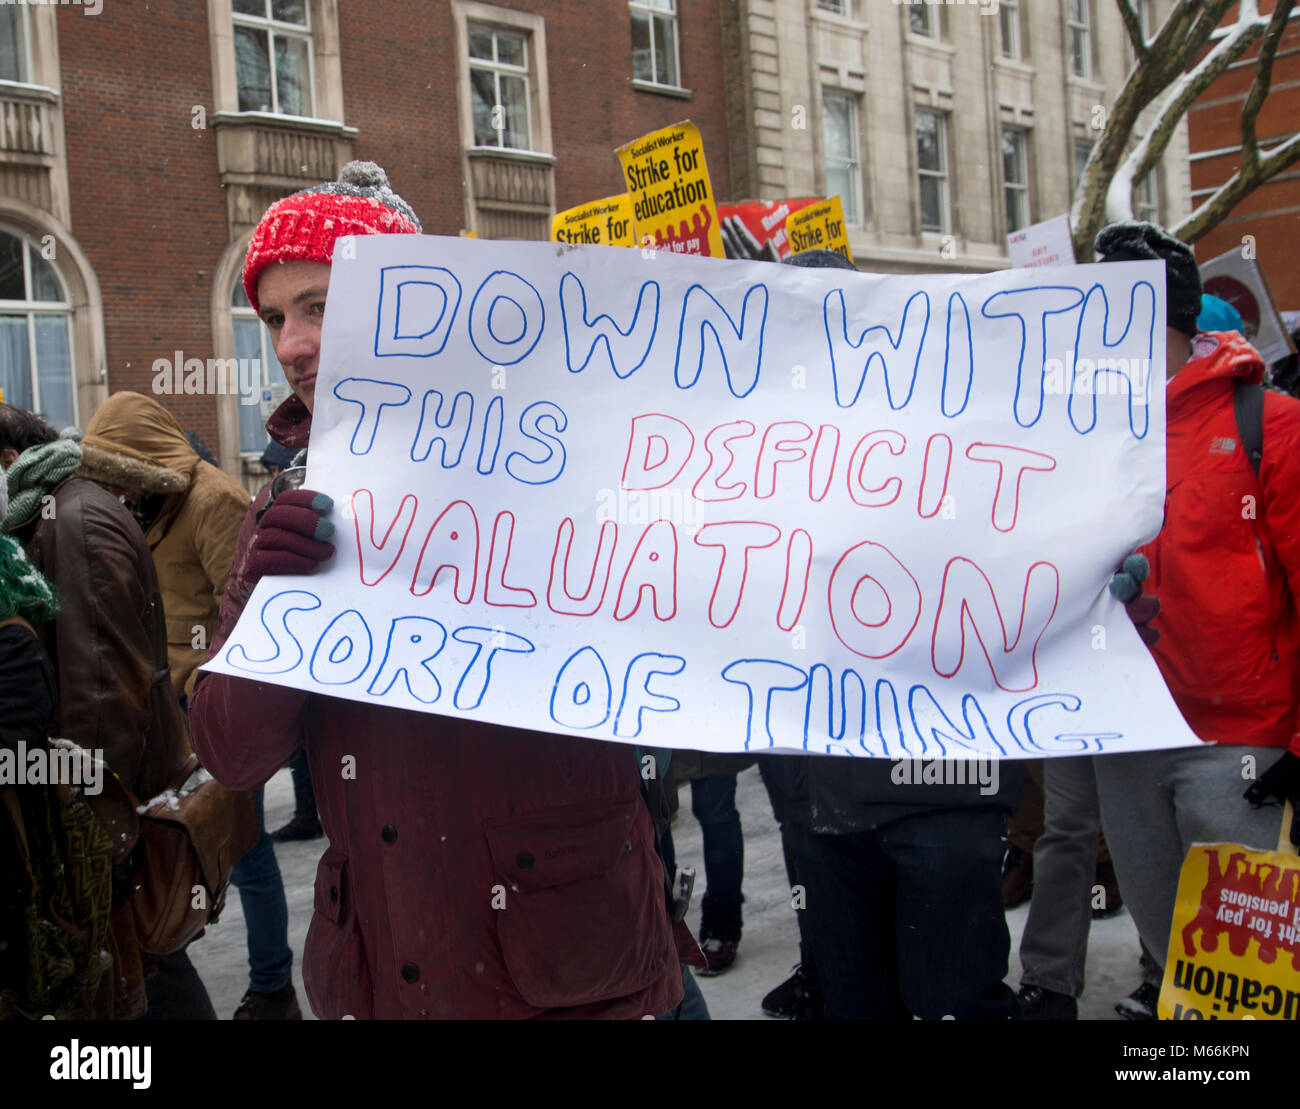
<point x="1270" y="214"/>
<point x="140" y="143"/>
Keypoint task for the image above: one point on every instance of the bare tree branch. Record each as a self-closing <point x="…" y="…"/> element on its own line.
<point x="1183" y="93"/>
<point x="1216" y="207"/>
<point x="1133" y="25"/>
<point x="1259" y="88"/>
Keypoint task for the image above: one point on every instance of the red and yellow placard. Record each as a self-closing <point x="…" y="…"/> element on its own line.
<point x="672" y="199"/>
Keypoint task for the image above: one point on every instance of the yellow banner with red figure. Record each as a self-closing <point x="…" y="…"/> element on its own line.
<point x="1234" y="948"/>
<point x="672" y="198"/>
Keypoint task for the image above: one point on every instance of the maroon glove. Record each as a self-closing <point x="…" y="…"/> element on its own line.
<point x="290" y="538"/>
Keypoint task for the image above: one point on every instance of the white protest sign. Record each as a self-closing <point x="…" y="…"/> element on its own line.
<point x="1042" y="244"/>
<point x="688" y="502"/>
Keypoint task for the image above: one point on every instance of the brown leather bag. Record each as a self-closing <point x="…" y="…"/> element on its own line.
<point x="190" y="839"/>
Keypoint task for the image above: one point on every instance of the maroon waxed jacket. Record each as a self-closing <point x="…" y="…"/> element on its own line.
<point x="445" y="821"/>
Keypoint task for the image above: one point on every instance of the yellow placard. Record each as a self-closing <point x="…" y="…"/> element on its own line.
<point x="1234" y="949"/>
<point x="606" y="222"/>
<point x="673" y="205"/>
<point x="819" y="227"/>
<point x="465" y="234"/>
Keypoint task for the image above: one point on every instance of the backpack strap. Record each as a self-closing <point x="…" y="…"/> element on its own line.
<point x="1248" y="407"/>
<point x="20" y="622"/>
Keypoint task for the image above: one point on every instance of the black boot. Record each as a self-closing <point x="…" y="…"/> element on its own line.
<point x="304" y="825"/>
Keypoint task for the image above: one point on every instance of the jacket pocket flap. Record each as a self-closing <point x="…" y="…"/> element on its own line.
<point x="331" y="887"/>
<point x="563" y="844"/>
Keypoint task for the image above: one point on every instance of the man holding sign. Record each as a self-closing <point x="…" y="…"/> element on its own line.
<point x="473" y="870"/>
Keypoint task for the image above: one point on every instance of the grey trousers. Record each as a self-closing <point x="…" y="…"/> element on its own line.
<point x="1156" y="804"/>
<point x="1054" y="946"/>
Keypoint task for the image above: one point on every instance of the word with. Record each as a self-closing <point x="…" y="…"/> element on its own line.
<point x="241" y="377"/>
<point x="133" y="1063"/>
<point x="60" y="763"/>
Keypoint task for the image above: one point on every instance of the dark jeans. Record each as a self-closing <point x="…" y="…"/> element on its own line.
<point x="907" y="920"/>
<point x="713" y="802"/>
<point x="175" y="991"/>
<point x="261" y="893"/>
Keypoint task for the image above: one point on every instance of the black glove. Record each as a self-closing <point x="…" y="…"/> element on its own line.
<point x="1280" y="783"/>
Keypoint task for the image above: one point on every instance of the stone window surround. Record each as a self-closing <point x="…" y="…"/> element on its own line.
<point x="465" y="12"/>
<point x="85" y="300"/>
<point x="327" y="74"/>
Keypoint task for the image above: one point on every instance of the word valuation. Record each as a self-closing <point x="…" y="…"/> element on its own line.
<point x="863" y="348"/>
<point x="453" y="551"/>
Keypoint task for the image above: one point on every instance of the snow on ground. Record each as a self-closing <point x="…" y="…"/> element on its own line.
<point x="768" y="948"/>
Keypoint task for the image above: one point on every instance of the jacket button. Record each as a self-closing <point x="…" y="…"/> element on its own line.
<point x="410" y="972"/>
<point x="525" y="860"/>
<point x="334" y="894"/>
<point x="389" y="833"/>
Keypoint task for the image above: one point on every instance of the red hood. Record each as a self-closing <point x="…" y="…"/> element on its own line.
<point x="290" y="424"/>
<point x="1217" y="356"/>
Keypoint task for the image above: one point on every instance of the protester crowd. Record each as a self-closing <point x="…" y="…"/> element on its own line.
<point x="126" y="559"/>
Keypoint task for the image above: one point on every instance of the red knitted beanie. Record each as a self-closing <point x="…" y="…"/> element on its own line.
<point x="303" y="227"/>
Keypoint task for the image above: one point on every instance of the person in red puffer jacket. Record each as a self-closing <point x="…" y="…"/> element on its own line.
<point x="473" y="871"/>
<point x="1226" y="569"/>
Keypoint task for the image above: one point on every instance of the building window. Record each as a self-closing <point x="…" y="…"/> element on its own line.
<point x="13" y="44"/>
<point x="840" y="138"/>
<point x="1080" y="34"/>
<point x="498" y="78"/>
<point x="654" y="42"/>
<point x="921" y="21"/>
<point x="1015" y="178"/>
<point x="252" y="342"/>
<point x="836" y="7"/>
<point x="1082" y="151"/>
<point x="1009" y="28"/>
<point x="273" y="62"/>
<point x="1146" y="199"/>
<point x="36" y="370"/>
<point x="932" y="169"/>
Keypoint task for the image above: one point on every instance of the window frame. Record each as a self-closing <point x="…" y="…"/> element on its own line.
<point x="30" y="308"/>
<point x="943" y="175"/>
<point x="1013" y="8"/>
<point x="497" y="69"/>
<point x="672" y="15"/>
<point x="931" y="30"/>
<point x="1019" y="188"/>
<point x="272" y="27"/>
<point x="851" y="218"/>
<point x="836" y="7"/>
<point x="1082" y="29"/>
<point x="26" y="60"/>
<point x="266" y="355"/>
<point x="1146" y="194"/>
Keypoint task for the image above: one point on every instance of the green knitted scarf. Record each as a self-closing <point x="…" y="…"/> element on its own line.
<point x="35" y="472"/>
<point x="23" y="589"/>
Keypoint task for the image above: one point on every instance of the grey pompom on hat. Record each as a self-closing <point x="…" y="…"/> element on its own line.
<point x="366" y="179"/>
